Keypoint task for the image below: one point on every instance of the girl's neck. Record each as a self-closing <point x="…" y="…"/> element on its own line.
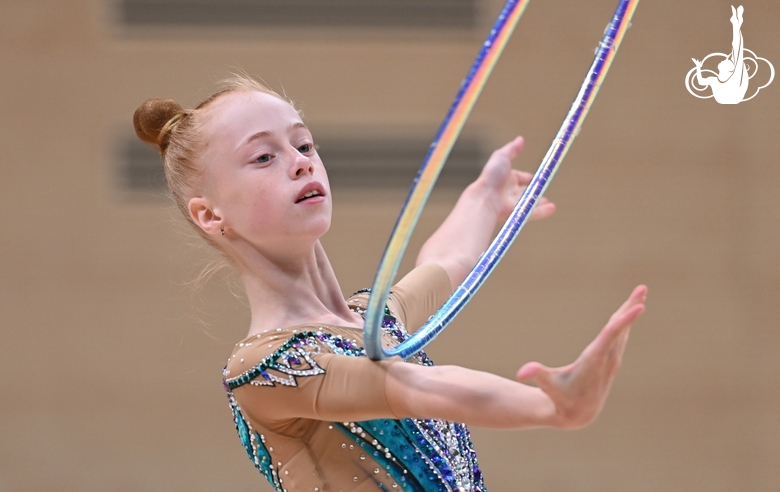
<point x="289" y="290"/>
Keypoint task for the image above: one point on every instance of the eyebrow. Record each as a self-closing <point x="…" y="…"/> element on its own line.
<point x="257" y="135"/>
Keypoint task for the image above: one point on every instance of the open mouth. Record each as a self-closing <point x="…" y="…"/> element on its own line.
<point x="308" y="195"/>
<point x="311" y="190"/>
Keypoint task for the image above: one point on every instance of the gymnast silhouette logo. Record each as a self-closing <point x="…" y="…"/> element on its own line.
<point x="735" y="70"/>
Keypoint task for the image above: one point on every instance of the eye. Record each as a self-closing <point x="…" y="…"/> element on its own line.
<point x="306" y="148"/>
<point x="263" y="158"/>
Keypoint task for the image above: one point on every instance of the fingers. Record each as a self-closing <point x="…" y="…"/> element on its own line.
<point x="544" y="207"/>
<point x="511" y="149"/>
<point x="620" y="345"/>
<point x="543" y="210"/>
<point x="498" y="170"/>
<point x="510" y="183"/>
<point x="611" y="341"/>
<point x="638" y="295"/>
<point x="523" y="178"/>
<point x="580" y="389"/>
<point x="614" y="336"/>
<point x="618" y="325"/>
<point x="623" y="320"/>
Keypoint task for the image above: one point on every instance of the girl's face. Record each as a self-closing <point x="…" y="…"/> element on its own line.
<point x="263" y="180"/>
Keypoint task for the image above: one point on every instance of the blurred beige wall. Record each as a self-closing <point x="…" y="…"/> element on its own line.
<point x="111" y="362"/>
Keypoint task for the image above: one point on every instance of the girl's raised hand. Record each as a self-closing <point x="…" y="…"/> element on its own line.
<point x="580" y="389"/>
<point x="506" y="185"/>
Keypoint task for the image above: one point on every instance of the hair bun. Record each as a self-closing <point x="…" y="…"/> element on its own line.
<point x="151" y="116"/>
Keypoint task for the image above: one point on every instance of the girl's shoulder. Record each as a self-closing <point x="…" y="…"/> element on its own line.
<point x="289" y="348"/>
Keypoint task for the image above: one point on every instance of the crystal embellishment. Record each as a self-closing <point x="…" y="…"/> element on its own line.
<point x="419" y="455"/>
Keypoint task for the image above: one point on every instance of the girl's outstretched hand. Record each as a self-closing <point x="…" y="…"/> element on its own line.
<point x="579" y="390"/>
<point x="506" y="185"/>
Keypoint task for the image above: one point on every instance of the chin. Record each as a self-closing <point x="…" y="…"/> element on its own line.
<point x="317" y="228"/>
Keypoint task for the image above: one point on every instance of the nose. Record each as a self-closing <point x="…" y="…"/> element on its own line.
<point x="302" y="166"/>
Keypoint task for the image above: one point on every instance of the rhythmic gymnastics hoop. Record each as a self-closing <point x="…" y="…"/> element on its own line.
<point x="437" y="154"/>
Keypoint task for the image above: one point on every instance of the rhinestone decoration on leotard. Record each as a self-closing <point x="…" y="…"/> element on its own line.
<point x="288" y="359"/>
<point x="254" y="443"/>
<point x="291" y="363"/>
<point x="419" y="455"/>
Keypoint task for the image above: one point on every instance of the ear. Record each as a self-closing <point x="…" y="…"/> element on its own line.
<point x="205" y="216"/>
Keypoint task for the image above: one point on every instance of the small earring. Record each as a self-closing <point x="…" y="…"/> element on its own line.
<point x="222" y="229"/>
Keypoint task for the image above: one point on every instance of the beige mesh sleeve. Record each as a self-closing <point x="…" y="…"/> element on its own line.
<point x="419" y="294"/>
<point x="351" y="389"/>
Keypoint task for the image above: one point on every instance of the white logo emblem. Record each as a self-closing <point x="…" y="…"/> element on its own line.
<point x="730" y="84"/>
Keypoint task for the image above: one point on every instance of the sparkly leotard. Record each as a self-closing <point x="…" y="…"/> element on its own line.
<point x="312" y="413"/>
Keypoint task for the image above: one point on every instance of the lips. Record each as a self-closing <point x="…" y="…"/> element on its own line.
<point x="311" y="190"/>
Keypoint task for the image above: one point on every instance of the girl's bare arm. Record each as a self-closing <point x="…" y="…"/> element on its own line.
<point x="467" y="231"/>
<point x="565" y="397"/>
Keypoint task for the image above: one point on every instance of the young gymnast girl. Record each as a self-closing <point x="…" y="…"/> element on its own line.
<point x="313" y="413"/>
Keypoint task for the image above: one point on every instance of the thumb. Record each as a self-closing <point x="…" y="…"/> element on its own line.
<point x="537" y="373"/>
<point x="514" y="147"/>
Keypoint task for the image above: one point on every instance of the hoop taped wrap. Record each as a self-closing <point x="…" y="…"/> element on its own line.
<point x="440" y="148"/>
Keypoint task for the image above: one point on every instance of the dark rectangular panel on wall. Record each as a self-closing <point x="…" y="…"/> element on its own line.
<point x="303" y="13"/>
<point x="140" y="167"/>
<point x="389" y="162"/>
<point x="395" y="162"/>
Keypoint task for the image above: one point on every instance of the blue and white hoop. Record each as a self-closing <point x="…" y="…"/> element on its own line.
<point x="437" y="155"/>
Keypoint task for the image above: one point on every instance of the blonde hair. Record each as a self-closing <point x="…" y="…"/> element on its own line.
<point x="177" y="133"/>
